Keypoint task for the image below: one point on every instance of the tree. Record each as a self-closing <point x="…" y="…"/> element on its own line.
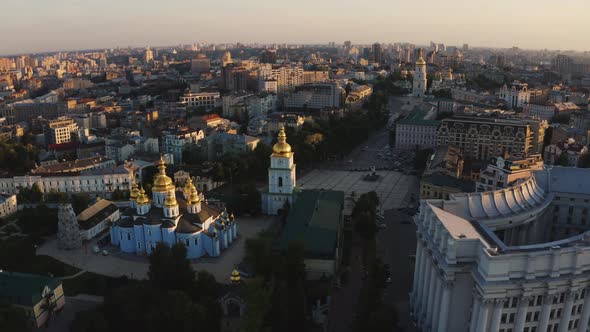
<point x="80" y="202"/>
<point x="13" y="319"/>
<point x="169" y="269"/>
<point x="562" y="160"/>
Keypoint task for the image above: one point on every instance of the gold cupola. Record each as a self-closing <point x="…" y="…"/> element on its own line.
<point x="282" y="148"/>
<point x="170" y="201"/>
<point x="194" y="198"/>
<point x="162" y="183"/>
<point x="142" y="197"/>
<point x="188" y="187"/>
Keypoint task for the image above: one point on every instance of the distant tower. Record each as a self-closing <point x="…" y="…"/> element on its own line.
<point x="149" y="55"/>
<point x="377" y="53"/>
<point x="281" y="176"/>
<point x="226" y="59"/>
<point x="420" y="80"/>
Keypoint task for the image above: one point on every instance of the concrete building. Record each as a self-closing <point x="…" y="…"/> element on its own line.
<point x="315" y="96"/>
<point x="503" y="173"/>
<point x="315" y="76"/>
<point x="564" y="153"/>
<point x="123" y="147"/>
<point x="97" y="218"/>
<point x="176" y="141"/>
<point x="200" y="64"/>
<point x="8" y="205"/>
<point x="514" y="259"/>
<point x="482" y="137"/>
<point x="416" y="131"/>
<point x="548" y="110"/>
<point x="517" y="95"/>
<point x="284" y="78"/>
<point x="60" y="130"/>
<point x="207" y="100"/>
<point x="217" y="145"/>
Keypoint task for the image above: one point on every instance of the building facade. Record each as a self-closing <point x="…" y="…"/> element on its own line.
<point x="502" y="173"/>
<point x="416" y="132"/>
<point x="420" y="79"/>
<point x="208" y="100"/>
<point x="315" y="96"/>
<point x="514" y="259"/>
<point x="517" y="95"/>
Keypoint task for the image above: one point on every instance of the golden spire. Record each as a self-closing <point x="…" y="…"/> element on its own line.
<point x="134" y="193"/>
<point x="421" y="61"/>
<point x="163" y="183"/>
<point x="282" y="148"/>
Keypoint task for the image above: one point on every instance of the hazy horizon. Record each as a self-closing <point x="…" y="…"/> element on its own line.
<point x="43" y="26"/>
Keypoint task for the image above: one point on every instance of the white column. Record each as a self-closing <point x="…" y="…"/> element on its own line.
<point x="522" y="235"/>
<point x="523" y="306"/>
<point x="415" y="287"/>
<point x="583" y="323"/>
<point x="514" y="239"/>
<point x="545" y="311"/>
<point x="437" y="298"/>
<point x="566" y="314"/>
<point x="474" y="314"/>
<point x="496" y="315"/>
<point x="421" y="279"/>
<point x="431" y="294"/>
<point x="424" y="287"/>
<point x="445" y="303"/>
<point x="482" y="321"/>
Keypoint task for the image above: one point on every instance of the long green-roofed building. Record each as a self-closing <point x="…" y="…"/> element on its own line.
<point x="316" y="219"/>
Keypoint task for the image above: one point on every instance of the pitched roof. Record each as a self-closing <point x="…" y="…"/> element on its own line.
<point x="314" y="219"/>
<point x="23" y="288"/>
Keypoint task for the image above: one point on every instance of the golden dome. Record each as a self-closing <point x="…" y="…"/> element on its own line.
<point x="163" y="182"/>
<point x="235" y="276"/>
<point x="421" y="62"/>
<point x="282" y="148"/>
<point x="189" y="187"/>
<point x="194" y="198"/>
<point x="170" y="201"/>
<point x="142" y="197"/>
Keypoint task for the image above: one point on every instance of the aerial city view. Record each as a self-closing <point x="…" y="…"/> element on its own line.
<point x="325" y="166"/>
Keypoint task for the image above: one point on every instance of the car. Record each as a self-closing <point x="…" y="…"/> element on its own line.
<point x="105" y="253"/>
<point x="96" y="249"/>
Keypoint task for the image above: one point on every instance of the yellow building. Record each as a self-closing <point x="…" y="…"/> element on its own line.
<point x="39" y="296"/>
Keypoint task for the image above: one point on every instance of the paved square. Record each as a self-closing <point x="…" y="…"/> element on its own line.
<point x="391" y="187"/>
<point x="118" y="264"/>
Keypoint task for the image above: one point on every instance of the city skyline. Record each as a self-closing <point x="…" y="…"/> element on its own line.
<point x="67" y="25"/>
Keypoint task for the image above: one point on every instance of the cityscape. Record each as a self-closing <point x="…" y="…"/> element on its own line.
<point x="311" y="183"/>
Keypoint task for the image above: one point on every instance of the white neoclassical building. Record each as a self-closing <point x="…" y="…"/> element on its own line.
<point x="511" y="260"/>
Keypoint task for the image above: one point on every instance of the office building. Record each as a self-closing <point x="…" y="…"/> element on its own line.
<point x="315" y="96"/>
<point x="503" y="173"/>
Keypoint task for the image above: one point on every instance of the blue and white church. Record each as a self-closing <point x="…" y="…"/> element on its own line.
<point x="187" y="219"/>
<point x="282" y="184"/>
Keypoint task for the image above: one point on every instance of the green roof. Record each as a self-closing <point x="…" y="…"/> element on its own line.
<point x="314" y="219"/>
<point x="23" y="288"/>
<point x="416" y="117"/>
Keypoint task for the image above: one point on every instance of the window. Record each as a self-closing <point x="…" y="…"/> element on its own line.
<point x="195" y="241"/>
<point x="280" y="181"/>
<point x="128" y="236"/>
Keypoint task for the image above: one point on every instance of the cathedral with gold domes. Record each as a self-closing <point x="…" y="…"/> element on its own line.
<point x="187" y="219"/>
<point x="281" y="177"/>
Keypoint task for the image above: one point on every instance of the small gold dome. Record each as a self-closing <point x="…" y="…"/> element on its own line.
<point x="235" y="276"/>
<point x="421" y="62"/>
<point x="194" y="198"/>
<point x="170" y="201"/>
<point x="189" y="186"/>
<point x="142" y="198"/>
<point x="282" y="148"/>
<point x="163" y="182"/>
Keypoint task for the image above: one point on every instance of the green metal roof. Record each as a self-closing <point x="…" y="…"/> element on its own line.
<point x="23" y="288"/>
<point x="314" y="219"/>
<point x="416" y="117"/>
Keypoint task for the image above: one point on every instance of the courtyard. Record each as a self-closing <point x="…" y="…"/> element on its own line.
<point x="118" y="264"/>
<point x="392" y="187"/>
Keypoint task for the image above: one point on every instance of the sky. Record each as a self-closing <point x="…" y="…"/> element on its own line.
<point x="52" y="25"/>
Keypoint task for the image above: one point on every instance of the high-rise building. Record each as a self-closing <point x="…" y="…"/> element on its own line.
<point x="268" y="56"/>
<point x="60" y="130"/>
<point x="234" y="78"/>
<point x="286" y="77"/>
<point x="377" y="53"/>
<point x="420" y="80"/>
<point x="226" y="59"/>
<point x="201" y="64"/>
<point x="148" y="55"/>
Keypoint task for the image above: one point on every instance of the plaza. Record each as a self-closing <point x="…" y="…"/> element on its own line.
<point x="392" y="187"/>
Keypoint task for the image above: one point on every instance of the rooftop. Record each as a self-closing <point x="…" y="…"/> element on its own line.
<point x="23" y="288"/>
